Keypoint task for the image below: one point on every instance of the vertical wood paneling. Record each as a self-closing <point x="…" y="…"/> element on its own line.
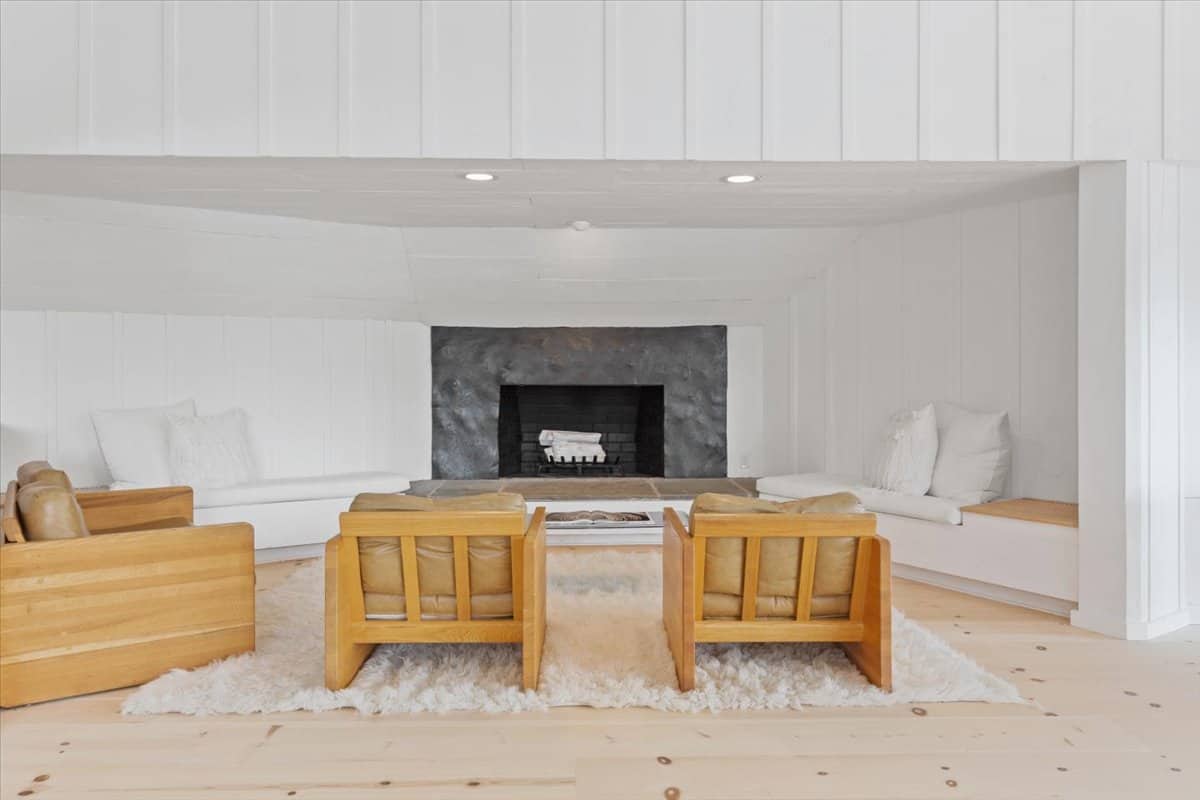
<point x="724" y="75"/>
<point x="802" y="81"/>
<point x="24" y="395"/>
<point x="1165" y="434"/>
<point x="880" y="80"/>
<point x="1189" y="266"/>
<point x="197" y="363"/>
<point x="930" y="296"/>
<point x="843" y="415"/>
<point x="991" y="314"/>
<point x="958" y="80"/>
<point x="1036" y="80"/>
<point x="381" y="402"/>
<point x="216" y="83"/>
<point x="346" y="382"/>
<point x="466" y="69"/>
<point x="881" y="365"/>
<point x="645" y="79"/>
<point x="561" y="110"/>
<point x="384" y="84"/>
<point x="1118" y="79"/>
<point x="412" y="390"/>
<point x="249" y="349"/>
<point x="1046" y="454"/>
<point x="39" y="39"/>
<point x="304" y="77"/>
<point x="1181" y="87"/>
<point x="126" y="77"/>
<point x="299" y="395"/>
<point x="87" y="380"/>
<point x="142" y="356"/>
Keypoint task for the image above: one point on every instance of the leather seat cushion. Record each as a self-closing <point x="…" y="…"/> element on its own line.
<point x="42" y="472"/>
<point x="50" y="511"/>
<point x="489" y="559"/>
<point x="779" y="565"/>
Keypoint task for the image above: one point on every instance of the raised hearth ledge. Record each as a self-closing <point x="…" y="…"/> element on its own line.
<point x="588" y="488"/>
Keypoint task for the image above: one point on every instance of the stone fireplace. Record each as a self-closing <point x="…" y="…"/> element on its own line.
<point x="656" y="394"/>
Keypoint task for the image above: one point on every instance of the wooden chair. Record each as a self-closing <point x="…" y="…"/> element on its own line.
<point x="351" y="636"/>
<point x="144" y="593"/>
<point x="863" y="630"/>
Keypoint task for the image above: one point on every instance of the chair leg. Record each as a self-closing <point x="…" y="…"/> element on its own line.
<point x="533" y="600"/>
<point x="678" y="586"/>
<point x="343" y="656"/>
<point x="873" y="655"/>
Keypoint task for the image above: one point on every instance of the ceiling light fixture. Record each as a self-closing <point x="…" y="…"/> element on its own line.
<point x="481" y="177"/>
<point x="740" y="178"/>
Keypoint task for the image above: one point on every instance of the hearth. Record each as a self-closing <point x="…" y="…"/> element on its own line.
<point x="628" y="418"/>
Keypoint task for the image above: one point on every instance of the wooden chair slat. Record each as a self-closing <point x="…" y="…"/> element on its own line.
<point x="462" y="577"/>
<point x="698" y="560"/>
<point x="750" y="577"/>
<point x="808" y="577"/>
<point x="412" y="585"/>
<point x="862" y="572"/>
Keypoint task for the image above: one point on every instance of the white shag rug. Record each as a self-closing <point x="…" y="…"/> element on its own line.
<point x="605" y="647"/>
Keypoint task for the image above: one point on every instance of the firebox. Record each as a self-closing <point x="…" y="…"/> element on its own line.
<point x="629" y="420"/>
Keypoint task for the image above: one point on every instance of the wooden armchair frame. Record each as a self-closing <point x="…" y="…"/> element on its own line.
<point x="117" y="609"/>
<point x="865" y="635"/>
<point x="350" y="637"/>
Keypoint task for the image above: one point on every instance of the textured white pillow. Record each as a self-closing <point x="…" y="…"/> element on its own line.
<point x="907" y="453"/>
<point x="133" y="442"/>
<point x="211" y="452"/>
<point x="974" y="454"/>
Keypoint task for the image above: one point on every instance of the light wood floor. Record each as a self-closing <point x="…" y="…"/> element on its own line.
<point x="1109" y="719"/>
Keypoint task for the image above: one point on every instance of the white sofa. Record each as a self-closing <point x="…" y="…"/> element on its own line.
<point x="292" y="517"/>
<point x="934" y="541"/>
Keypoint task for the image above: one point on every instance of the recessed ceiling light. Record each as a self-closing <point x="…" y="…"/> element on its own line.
<point x="740" y="178"/>
<point x="481" y="177"/>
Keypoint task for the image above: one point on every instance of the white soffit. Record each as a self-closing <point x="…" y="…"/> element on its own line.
<point x="540" y="194"/>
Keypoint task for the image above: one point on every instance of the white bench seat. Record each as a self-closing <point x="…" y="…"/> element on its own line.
<point x="881" y="501"/>
<point x="309" y="487"/>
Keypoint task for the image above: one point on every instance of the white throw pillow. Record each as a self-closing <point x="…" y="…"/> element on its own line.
<point x="133" y="442"/>
<point x="974" y="454"/>
<point x="211" y="452"/>
<point x="907" y="453"/>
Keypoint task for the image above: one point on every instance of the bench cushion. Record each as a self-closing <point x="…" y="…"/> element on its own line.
<point x="489" y="560"/>
<point x="928" y="507"/>
<point x="286" y="490"/>
<point x="779" y="564"/>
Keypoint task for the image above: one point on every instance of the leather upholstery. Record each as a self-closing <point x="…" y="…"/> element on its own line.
<point x="779" y="566"/>
<point x="32" y="471"/>
<point x="489" y="559"/>
<point x="50" y="511"/>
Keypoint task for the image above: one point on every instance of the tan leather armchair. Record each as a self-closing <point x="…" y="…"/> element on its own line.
<point x="470" y="565"/>
<point x="751" y="570"/>
<point x="100" y="590"/>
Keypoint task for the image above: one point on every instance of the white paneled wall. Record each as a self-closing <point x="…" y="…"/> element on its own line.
<point x="1189" y="396"/>
<point x="975" y="307"/>
<point x="324" y="396"/>
<point x="638" y="79"/>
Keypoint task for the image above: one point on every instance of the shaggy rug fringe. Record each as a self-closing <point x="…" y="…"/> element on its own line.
<point x="605" y="647"/>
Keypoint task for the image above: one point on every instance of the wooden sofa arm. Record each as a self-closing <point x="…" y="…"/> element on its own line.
<point x="533" y="599"/>
<point x="90" y="614"/>
<point x="127" y="508"/>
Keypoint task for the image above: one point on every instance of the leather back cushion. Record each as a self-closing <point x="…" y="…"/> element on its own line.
<point x="28" y="472"/>
<point x="50" y="511"/>
<point x="779" y="567"/>
<point x="489" y="557"/>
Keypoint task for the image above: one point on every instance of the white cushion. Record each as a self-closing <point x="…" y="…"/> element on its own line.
<point x="881" y="501"/>
<point x="133" y="442"/>
<point x="315" y="487"/>
<point x="906" y="455"/>
<point x="211" y="452"/>
<point x="974" y="453"/>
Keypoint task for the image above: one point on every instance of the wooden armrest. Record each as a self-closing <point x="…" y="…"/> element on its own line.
<point x="125" y="508"/>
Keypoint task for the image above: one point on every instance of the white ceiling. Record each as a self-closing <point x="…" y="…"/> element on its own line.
<point x="539" y="194"/>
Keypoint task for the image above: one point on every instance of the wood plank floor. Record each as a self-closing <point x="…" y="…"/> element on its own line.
<point x="1109" y="719"/>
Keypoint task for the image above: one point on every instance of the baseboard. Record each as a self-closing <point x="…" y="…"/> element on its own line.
<point x="988" y="591"/>
<point x="1136" y="631"/>
<point x="294" y="553"/>
<point x="1196" y="615"/>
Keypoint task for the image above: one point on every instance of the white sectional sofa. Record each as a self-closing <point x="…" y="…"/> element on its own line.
<point x="292" y="517"/>
<point x="934" y="541"/>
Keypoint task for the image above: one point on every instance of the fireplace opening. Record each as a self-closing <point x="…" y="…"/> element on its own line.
<point x="629" y="420"/>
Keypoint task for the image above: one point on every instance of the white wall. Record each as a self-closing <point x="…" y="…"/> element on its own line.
<point x="1189" y="396"/>
<point x="324" y="396"/>
<point x="702" y="79"/>
<point x="975" y="307"/>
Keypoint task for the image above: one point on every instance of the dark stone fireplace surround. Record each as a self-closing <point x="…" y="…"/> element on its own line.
<point x="470" y="365"/>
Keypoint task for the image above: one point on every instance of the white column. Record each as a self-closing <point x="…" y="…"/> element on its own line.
<point x="1131" y="550"/>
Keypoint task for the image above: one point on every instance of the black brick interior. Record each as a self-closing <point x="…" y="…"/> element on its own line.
<point x="628" y="418"/>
